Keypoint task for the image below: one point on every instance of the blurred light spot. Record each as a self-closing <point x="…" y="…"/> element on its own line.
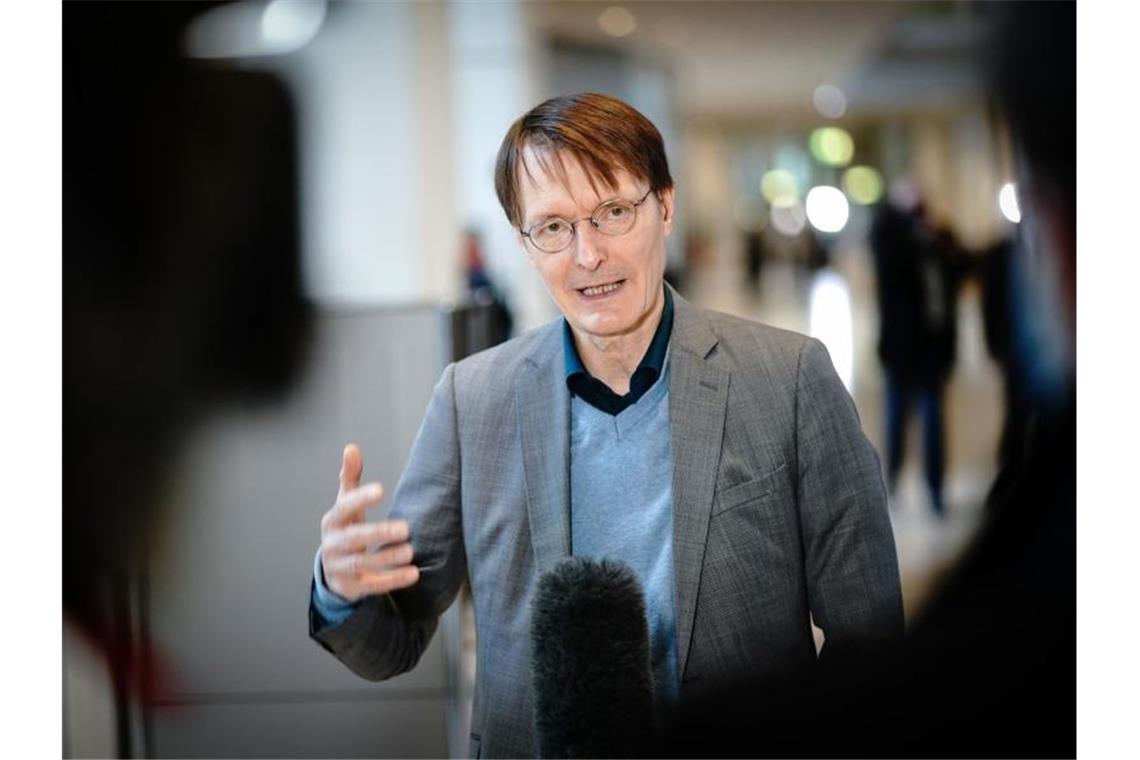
<point x="779" y="188"/>
<point x="829" y="101"/>
<point x="250" y="28"/>
<point x="827" y="208"/>
<point x="748" y="213"/>
<point x="832" y="146"/>
<point x="831" y="322"/>
<point x="617" y="21"/>
<point x="788" y="220"/>
<point x="1007" y="202"/>
<point x="288" y="25"/>
<point x="224" y="31"/>
<point x="864" y="184"/>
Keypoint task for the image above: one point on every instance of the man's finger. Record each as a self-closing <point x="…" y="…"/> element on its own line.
<point x="351" y="467"/>
<point x="363" y="536"/>
<point x="389" y="580"/>
<point x="350" y="506"/>
<point x="353" y="566"/>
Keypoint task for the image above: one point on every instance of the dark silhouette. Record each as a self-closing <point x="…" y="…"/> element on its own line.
<point x="998" y="319"/>
<point x="989" y="668"/>
<point x="181" y="289"/>
<point x="917" y="288"/>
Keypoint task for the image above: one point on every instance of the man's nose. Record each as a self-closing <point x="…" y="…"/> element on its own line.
<point x="588" y="254"/>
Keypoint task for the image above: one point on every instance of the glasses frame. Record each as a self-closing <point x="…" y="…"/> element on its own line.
<point x="591" y="218"/>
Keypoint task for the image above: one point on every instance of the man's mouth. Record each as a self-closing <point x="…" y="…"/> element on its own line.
<point x="600" y="290"/>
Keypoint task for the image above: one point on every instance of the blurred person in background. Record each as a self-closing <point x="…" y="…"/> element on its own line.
<point x="753" y="258"/>
<point x="181" y="284"/>
<point x="723" y="460"/>
<point x="482" y="289"/>
<point x="917" y="293"/>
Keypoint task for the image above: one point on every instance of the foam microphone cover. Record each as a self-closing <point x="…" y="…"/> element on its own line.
<point x="593" y="686"/>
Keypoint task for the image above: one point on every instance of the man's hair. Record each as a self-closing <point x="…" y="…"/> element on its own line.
<point x="603" y="133"/>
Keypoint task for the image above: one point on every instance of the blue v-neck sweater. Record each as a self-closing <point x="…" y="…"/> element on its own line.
<point x="621" y="507"/>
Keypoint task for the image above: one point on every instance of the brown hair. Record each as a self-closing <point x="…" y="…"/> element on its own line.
<point x="601" y="132"/>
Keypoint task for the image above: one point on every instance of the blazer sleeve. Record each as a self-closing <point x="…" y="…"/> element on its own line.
<point x="849" y="550"/>
<point x="385" y="635"/>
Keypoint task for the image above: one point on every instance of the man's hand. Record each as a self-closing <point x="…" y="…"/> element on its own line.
<point x="361" y="559"/>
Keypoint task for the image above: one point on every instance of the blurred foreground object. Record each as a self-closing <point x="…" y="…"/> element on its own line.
<point x="989" y="669"/>
<point x="181" y="288"/>
<point x="593" y="686"/>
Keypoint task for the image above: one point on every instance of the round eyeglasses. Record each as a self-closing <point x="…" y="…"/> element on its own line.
<point x="612" y="218"/>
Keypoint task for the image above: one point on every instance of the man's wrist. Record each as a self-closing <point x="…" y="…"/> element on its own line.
<point x="332" y="606"/>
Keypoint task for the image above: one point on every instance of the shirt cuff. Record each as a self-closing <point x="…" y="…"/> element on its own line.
<point x="331" y="606"/>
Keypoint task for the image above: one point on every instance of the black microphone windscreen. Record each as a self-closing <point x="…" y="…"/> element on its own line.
<point x="593" y="685"/>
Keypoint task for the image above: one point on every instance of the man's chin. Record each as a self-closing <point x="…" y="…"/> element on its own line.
<point x="607" y="323"/>
<point x="602" y="326"/>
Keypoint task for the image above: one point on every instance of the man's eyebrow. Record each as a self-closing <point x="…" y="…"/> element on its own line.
<point x="544" y="214"/>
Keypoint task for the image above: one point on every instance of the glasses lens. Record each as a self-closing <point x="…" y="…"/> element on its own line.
<point x="615" y="218"/>
<point x="552" y="235"/>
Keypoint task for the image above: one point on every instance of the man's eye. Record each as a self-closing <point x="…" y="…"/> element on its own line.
<point x="553" y="227"/>
<point x="616" y="212"/>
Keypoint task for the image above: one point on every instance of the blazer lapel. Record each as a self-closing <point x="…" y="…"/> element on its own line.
<point x="543" y="405"/>
<point x="698" y="397"/>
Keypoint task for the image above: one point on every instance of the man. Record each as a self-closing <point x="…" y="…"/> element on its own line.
<point x="917" y="274"/>
<point x="721" y="459"/>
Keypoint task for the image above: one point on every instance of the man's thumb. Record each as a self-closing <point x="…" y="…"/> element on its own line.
<point x="351" y="467"/>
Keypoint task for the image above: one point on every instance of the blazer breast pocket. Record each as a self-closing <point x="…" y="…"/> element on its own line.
<point x="749" y="491"/>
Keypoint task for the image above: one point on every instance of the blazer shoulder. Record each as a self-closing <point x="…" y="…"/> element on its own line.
<point x="499" y="365"/>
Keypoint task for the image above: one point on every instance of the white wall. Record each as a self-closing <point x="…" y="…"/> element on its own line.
<point x="402" y="107"/>
<point x="493" y="68"/>
<point x="377" y="168"/>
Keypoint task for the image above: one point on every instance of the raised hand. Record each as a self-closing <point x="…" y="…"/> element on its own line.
<point x="362" y="559"/>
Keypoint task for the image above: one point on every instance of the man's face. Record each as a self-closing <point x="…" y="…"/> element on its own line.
<point x="633" y="262"/>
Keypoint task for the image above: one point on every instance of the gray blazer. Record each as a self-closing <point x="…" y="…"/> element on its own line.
<point x="779" y="513"/>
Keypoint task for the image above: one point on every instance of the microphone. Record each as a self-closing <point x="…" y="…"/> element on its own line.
<point x="593" y="686"/>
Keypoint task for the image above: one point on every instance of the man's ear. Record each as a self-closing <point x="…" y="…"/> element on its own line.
<point x="665" y="198"/>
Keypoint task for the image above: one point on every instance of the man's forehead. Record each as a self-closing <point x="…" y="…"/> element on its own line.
<point x="546" y="175"/>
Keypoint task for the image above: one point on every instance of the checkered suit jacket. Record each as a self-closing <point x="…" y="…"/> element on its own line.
<point x="779" y="513"/>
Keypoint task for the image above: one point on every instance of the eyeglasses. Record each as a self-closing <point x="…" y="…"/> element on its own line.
<point x="612" y="218"/>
